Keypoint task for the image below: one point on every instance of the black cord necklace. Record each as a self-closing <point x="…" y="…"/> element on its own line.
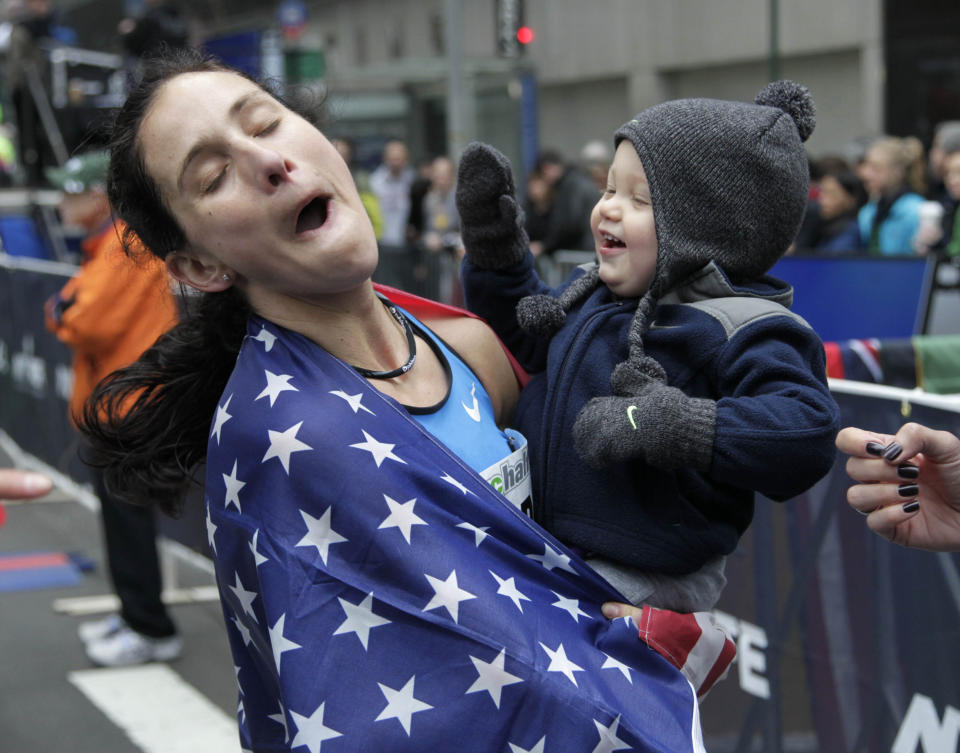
<point x="411" y="343"/>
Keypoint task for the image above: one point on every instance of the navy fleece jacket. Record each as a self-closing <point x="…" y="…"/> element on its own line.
<point x="737" y="345"/>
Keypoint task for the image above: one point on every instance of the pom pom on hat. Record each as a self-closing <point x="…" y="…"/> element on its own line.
<point x="544" y="315"/>
<point x="795" y="100"/>
<point x="540" y="315"/>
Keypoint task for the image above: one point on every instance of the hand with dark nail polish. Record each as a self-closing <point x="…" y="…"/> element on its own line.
<point x="913" y="495"/>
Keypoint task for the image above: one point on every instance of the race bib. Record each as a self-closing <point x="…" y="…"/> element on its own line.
<point x="511" y="475"/>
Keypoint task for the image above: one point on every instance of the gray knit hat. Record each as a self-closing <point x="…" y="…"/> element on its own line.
<point x="728" y="182"/>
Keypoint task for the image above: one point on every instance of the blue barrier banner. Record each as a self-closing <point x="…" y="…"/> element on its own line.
<point x="845" y="641"/>
<point x="35" y="372"/>
<point x="860" y="296"/>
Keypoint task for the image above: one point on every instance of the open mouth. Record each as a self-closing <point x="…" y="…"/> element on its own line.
<point x="611" y="241"/>
<point x="313" y="215"/>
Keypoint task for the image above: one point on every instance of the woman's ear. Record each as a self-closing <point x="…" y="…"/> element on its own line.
<point x="203" y="274"/>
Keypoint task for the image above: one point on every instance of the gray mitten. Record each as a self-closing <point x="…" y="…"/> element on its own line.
<point x="491" y="221"/>
<point x="659" y="425"/>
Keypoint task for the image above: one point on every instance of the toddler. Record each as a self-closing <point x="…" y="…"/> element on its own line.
<point x="670" y="380"/>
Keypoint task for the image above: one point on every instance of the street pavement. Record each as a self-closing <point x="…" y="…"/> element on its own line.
<point x="53" y="699"/>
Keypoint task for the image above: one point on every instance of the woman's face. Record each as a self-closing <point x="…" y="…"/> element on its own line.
<point x="951" y="174"/>
<point x="834" y="200"/>
<point x="258" y="191"/>
<point x="879" y="173"/>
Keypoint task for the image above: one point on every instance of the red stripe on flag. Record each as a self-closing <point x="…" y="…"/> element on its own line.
<point x="28" y="561"/>
<point x="835" y="368"/>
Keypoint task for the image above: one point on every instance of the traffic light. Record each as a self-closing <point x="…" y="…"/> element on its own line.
<point x="513" y="35"/>
<point x="525" y="35"/>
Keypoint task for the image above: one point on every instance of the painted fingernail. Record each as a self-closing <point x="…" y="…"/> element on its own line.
<point x="908" y="490"/>
<point x="912" y="506"/>
<point x="874" y="448"/>
<point x="892" y="451"/>
<point x="908" y="471"/>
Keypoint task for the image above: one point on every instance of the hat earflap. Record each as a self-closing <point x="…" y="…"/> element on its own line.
<point x="544" y="315"/>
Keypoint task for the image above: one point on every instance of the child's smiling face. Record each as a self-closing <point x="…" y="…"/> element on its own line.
<point x="623" y="227"/>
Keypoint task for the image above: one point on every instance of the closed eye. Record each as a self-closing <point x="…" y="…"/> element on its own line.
<point x="217" y="180"/>
<point x="269" y="128"/>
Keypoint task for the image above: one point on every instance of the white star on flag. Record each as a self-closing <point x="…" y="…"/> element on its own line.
<point x="234" y="485"/>
<point x="401" y="705"/>
<point x="612" y="663"/>
<point x="311" y="730"/>
<point x="453" y="482"/>
<point x="479" y="533"/>
<point x="492" y="677"/>
<point x="211" y="529"/>
<point x="560" y="663"/>
<point x="609" y="741"/>
<point x="221" y="418"/>
<point x="278" y="643"/>
<point x="570" y="606"/>
<point x="551" y="559"/>
<point x="258" y="559"/>
<point x="244" y="597"/>
<point x="276" y="383"/>
<point x="283" y="444"/>
<point x="267" y="338"/>
<point x="354" y="401"/>
<point x="319" y="533"/>
<point x="402" y="516"/>
<point x="379" y="450"/>
<point x="360" y="619"/>
<point x="447" y="594"/>
<point x="242" y="629"/>
<point x="508" y="588"/>
<point x="538" y="748"/>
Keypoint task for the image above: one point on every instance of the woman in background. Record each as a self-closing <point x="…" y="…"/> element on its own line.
<point x="893" y="175"/>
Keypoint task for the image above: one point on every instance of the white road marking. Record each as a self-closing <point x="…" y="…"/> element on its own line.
<point x="158" y="710"/>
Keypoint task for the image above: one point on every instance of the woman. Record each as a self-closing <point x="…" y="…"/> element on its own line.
<point x="841" y="196"/>
<point x="377" y="588"/>
<point x="893" y="176"/>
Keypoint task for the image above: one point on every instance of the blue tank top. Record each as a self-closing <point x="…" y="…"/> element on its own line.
<point x="464" y="421"/>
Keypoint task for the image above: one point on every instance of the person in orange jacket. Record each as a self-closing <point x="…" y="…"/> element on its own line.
<point x="109" y="313"/>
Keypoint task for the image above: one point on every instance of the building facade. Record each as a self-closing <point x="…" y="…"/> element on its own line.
<point x="432" y="71"/>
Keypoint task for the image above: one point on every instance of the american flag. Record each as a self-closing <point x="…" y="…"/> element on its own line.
<point x="380" y="596"/>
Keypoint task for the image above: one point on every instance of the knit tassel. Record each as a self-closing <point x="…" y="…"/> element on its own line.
<point x="633" y="374"/>
<point x="543" y="315"/>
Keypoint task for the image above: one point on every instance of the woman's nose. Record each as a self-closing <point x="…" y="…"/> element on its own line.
<point x="268" y="167"/>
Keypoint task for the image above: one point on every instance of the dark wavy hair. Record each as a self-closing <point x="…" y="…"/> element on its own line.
<point x="147" y="425"/>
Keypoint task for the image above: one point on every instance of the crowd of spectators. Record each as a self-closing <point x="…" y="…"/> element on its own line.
<point x="894" y="200"/>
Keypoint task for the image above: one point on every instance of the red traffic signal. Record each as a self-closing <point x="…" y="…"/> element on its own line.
<point x="525" y="35"/>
